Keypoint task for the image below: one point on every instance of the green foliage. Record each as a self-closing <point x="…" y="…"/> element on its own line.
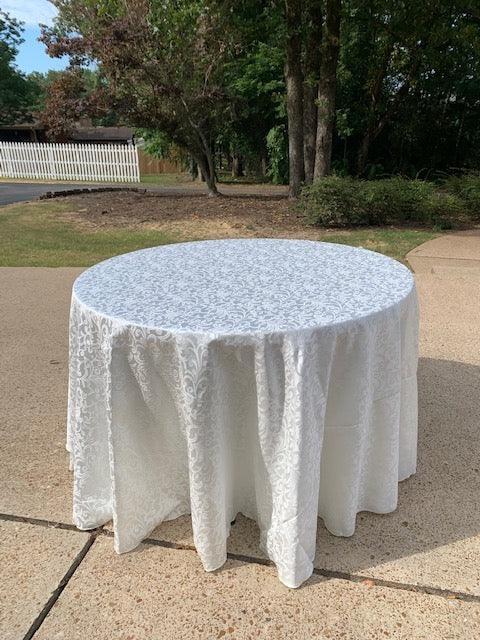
<point x="68" y="97"/>
<point x="337" y="202"/>
<point x="334" y="202"/>
<point x="157" y="143"/>
<point x="277" y="148"/>
<point x="397" y="199"/>
<point x="209" y="74"/>
<point x="408" y="83"/>
<point x="409" y="79"/>
<point x="254" y="80"/>
<point x="17" y="92"/>
<point x="466" y="187"/>
<point x="89" y="82"/>
<point x="163" y="62"/>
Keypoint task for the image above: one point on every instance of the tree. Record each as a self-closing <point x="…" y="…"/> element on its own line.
<point x="255" y="82"/>
<point x="311" y="89"/>
<point x="294" y="84"/>
<point x="407" y="80"/>
<point x="400" y="45"/>
<point x="364" y="87"/>
<point x="18" y="94"/>
<point x="313" y="39"/>
<point x="69" y="95"/>
<point x="327" y="88"/>
<point x="162" y="61"/>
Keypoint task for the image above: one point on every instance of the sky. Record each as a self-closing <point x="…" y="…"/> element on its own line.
<point x="32" y="55"/>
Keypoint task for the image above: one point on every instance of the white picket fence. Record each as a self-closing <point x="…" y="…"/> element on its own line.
<point x="85" y="162"/>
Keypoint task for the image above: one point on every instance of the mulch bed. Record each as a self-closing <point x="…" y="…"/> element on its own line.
<point x="130" y="209"/>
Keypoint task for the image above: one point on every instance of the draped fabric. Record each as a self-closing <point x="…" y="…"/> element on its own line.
<point x="273" y="378"/>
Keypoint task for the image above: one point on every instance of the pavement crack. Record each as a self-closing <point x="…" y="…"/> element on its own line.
<point x="37" y="623"/>
<point x="330" y="574"/>
<point x="448" y="594"/>
<point x="402" y="586"/>
<point x="166" y="544"/>
<point x="38" y="521"/>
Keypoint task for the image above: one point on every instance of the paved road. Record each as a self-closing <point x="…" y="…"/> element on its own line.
<point x="11" y="192"/>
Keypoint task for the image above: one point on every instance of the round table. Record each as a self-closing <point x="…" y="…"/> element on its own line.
<point x="273" y="378"/>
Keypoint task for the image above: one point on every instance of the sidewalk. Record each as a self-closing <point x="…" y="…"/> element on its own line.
<point x="408" y="575"/>
<point x="453" y="254"/>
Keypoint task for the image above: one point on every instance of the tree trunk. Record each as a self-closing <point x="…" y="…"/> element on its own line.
<point x="203" y="154"/>
<point x="294" y="82"/>
<point x="263" y="166"/>
<point x="193" y="168"/>
<point x="212" y="187"/>
<point x="207" y="164"/>
<point x="211" y="178"/>
<point x="237" y="166"/>
<point x="459" y="134"/>
<point x="313" y="11"/>
<point x="363" y="151"/>
<point x="208" y="175"/>
<point x="327" y="88"/>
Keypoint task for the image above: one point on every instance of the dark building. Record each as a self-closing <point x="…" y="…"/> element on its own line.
<point x="35" y="132"/>
<point x="31" y="132"/>
<point x="103" y="135"/>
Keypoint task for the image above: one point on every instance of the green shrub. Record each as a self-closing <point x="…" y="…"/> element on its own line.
<point x="398" y="200"/>
<point x="444" y="209"/>
<point x="466" y="188"/>
<point x="336" y="201"/>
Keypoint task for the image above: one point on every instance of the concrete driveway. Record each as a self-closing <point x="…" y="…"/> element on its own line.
<point x="410" y="575"/>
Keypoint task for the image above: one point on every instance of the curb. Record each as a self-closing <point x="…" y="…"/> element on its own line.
<point x="75" y="192"/>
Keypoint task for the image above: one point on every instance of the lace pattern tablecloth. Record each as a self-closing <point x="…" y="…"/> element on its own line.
<point x="276" y="378"/>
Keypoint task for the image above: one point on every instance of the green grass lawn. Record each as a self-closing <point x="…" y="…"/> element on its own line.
<point x="393" y="242"/>
<point x="38" y="235"/>
<point x="166" y="179"/>
<point x="161" y="179"/>
<point x="33" y="235"/>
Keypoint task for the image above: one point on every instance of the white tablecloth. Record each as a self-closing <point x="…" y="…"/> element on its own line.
<point x="276" y="378"/>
